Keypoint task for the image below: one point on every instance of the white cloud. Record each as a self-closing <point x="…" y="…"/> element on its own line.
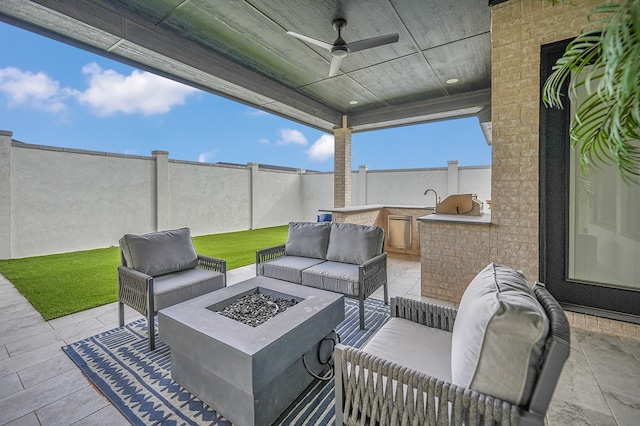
<point x="289" y="136"/>
<point x="140" y="92"/>
<point x="322" y="149"/>
<point x="264" y="141"/>
<point x="205" y="157"/>
<point x="38" y="91"/>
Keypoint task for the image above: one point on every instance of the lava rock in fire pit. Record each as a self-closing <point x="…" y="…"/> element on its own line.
<point x="255" y="309"/>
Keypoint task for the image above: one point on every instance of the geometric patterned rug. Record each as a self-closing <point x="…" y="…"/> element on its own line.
<point x="138" y="382"/>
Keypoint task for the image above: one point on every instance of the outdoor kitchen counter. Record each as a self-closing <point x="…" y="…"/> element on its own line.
<point x="485" y="219"/>
<point x="379" y="214"/>
<point x="453" y="248"/>
<point x="369" y="207"/>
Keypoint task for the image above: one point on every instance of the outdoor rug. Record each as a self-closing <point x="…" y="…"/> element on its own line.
<point x="139" y="384"/>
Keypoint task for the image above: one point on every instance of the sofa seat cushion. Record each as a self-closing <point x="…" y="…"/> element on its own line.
<point x="184" y="285"/>
<point x="287" y="268"/>
<point x="499" y="335"/>
<point x="412" y="345"/>
<point x="351" y="243"/>
<point x="308" y="239"/>
<point x="333" y="276"/>
<point x="159" y="253"/>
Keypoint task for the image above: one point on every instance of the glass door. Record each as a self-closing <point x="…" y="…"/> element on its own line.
<point x="589" y="223"/>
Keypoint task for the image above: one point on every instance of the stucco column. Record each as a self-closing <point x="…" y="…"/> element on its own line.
<point x="342" y="167"/>
<point x="253" y="204"/>
<point x="6" y="189"/>
<point x="362" y="185"/>
<point x="162" y="189"/>
<point x="452" y="177"/>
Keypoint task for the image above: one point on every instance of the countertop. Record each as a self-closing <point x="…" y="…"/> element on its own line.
<point x="373" y="207"/>
<point x="485" y="219"/>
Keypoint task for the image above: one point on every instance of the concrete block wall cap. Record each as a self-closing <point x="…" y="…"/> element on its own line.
<point x="6" y="133"/>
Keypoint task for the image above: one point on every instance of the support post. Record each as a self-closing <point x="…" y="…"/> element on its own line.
<point x="162" y="189"/>
<point x="362" y="185"/>
<point x="253" y="194"/>
<point x="342" y="166"/>
<point x="452" y="178"/>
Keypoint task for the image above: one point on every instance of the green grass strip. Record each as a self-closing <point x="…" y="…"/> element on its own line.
<point x="61" y="284"/>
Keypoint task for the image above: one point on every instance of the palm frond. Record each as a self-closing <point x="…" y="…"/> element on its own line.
<point x="606" y="55"/>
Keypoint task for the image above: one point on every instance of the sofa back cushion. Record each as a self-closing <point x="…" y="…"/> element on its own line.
<point x="159" y="253"/>
<point x="499" y="336"/>
<point x="308" y="239"/>
<point x="351" y="243"/>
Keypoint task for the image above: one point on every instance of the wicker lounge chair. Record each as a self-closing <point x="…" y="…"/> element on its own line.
<point x="161" y="269"/>
<point x="406" y="373"/>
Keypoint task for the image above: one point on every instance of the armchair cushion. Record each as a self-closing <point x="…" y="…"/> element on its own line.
<point x="355" y="244"/>
<point x="407" y="343"/>
<point x="308" y="239"/>
<point x="159" y="253"/>
<point x="499" y="335"/>
<point x="184" y="285"/>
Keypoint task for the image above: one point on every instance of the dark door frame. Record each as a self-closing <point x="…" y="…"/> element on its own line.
<point x="609" y="302"/>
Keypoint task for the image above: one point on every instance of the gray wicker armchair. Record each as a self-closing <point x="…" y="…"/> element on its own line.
<point x="373" y="390"/>
<point x="162" y="269"/>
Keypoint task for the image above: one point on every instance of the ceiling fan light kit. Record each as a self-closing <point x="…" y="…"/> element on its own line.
<point x="340" y="48"/>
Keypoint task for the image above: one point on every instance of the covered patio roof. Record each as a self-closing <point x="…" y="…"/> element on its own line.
<point x="241" y="50"/>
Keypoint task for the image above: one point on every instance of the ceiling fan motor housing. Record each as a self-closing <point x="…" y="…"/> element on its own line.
<point x="339" y="24"/>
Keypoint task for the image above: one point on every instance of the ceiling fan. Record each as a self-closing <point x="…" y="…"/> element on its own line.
<point x="340" y="48"/>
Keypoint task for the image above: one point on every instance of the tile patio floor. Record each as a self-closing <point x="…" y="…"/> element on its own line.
<point x="40" y="385"/>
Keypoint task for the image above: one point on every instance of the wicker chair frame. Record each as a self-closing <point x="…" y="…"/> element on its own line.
<point x="135" y="290"/>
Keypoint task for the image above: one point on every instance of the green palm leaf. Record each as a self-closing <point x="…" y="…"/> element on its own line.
<point x="606" y="126"/>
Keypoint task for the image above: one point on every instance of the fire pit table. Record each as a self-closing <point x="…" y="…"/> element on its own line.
<point x="249" y="374"/>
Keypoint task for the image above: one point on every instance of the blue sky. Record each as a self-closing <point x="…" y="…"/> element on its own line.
<point x="55" y="94"/>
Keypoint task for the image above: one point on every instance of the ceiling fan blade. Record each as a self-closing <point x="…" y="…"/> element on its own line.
<point x="311" y="40"/>
<point x="373" y="42"/>
<point x="335" y="65"/>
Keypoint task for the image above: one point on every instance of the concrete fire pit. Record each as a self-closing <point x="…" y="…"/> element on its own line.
<point x="248" y="374"/>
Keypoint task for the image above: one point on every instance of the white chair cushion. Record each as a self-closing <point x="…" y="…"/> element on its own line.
<point x="499" y="335"/>
<point x="413" y="345"/>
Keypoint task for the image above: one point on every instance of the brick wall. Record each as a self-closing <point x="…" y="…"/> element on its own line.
<point x="361" y="217"/>
<point x="519" y="28"/>
<point x="452" y="254"/>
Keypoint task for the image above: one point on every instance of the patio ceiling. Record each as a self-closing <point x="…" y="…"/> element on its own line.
<point x="241" y="50"/>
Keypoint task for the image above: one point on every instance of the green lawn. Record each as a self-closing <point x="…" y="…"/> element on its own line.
<point x="61" y="284"/>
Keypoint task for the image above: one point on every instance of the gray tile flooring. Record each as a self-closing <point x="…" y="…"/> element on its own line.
<point x="39" y="385"/>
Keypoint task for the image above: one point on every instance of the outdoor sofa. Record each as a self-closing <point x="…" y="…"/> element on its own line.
<point x="494" y="361"/>
<point x="161" y="269"/>
<point x="340" y="257"/>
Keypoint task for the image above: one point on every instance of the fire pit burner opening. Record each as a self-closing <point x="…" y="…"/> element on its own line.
<point x="257" y="308"/>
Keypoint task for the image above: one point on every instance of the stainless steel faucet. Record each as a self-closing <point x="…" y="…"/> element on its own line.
<point x="434" y="193"/>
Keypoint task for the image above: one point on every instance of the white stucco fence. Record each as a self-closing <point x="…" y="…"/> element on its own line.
<point x="55" y="200"/>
